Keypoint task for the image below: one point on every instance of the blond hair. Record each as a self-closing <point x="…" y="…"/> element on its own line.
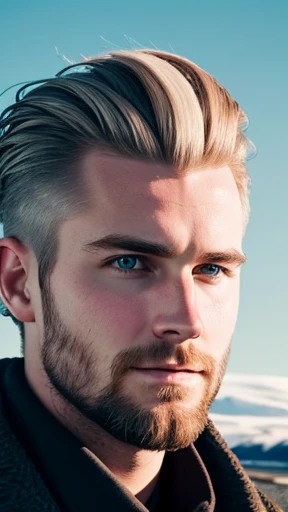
<point x="143" y="104"/>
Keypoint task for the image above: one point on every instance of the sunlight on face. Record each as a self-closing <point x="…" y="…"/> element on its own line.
<point x="142" y="303"/>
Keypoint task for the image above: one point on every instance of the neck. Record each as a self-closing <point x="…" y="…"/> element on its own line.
<point x="135" y="469"/>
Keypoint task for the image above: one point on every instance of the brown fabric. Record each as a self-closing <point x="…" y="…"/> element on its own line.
<point x="185" y="482"/>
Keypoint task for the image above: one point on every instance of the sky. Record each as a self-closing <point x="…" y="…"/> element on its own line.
<point x="244" y="45"/>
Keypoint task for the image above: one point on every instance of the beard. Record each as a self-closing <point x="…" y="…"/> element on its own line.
<point x="174" y="422"/>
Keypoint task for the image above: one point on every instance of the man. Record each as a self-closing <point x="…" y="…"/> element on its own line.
<point x="124" y="199"/>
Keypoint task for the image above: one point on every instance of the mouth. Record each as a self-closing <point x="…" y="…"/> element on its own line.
<point x="169" y="374"/>
<point x="168" y="368"/>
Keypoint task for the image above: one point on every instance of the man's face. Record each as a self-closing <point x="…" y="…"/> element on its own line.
<point x="142" y="302"/>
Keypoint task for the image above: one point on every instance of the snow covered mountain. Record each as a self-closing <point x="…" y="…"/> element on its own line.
<point x="251" y="412"/>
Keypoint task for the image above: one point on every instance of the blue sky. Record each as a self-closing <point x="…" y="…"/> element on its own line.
<point x="244" y="45"/>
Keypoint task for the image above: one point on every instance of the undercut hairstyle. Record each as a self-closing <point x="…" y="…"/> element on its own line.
<point x="140" y="104"/>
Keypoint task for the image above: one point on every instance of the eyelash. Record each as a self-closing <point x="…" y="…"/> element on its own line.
<point x="143" y="259"/>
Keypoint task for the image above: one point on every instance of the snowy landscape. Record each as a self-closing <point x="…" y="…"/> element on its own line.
<point x="251" y="412"/>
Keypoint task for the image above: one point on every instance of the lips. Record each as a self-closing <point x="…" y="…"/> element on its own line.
<point x="169" y="368"/>
<point x="168" y="375"/>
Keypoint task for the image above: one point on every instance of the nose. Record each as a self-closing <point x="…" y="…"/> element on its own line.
<point x="176" y="317"/>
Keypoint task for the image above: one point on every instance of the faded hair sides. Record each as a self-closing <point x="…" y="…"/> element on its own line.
<point x="142" y="104"/>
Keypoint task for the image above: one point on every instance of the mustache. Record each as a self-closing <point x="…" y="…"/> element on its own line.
<point x="159" y="352"/>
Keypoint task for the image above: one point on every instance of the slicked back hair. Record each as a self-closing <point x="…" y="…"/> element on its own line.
<point x="141" y="104"/>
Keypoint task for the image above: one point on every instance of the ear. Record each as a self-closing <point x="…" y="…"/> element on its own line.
<point x="14" y="265"/>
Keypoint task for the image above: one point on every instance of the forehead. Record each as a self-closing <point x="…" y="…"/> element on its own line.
<point x="149" y="199"/>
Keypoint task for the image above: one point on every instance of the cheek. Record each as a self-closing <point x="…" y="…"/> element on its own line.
<point x="116" y="314"/>
<point x="109" y="318"/>
<point x="219" y="315"/>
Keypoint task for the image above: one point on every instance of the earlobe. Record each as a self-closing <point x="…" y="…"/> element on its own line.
<point x="13" y="279"/>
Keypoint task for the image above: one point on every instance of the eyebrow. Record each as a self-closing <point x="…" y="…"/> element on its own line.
<point x="129" y="243"/>
<point x="232" y="256"/>
<point x="138" y="245"/>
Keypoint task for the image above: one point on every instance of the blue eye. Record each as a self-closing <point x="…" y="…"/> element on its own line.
<point x="126" y="262"/>
<point x="211" y="270"/>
